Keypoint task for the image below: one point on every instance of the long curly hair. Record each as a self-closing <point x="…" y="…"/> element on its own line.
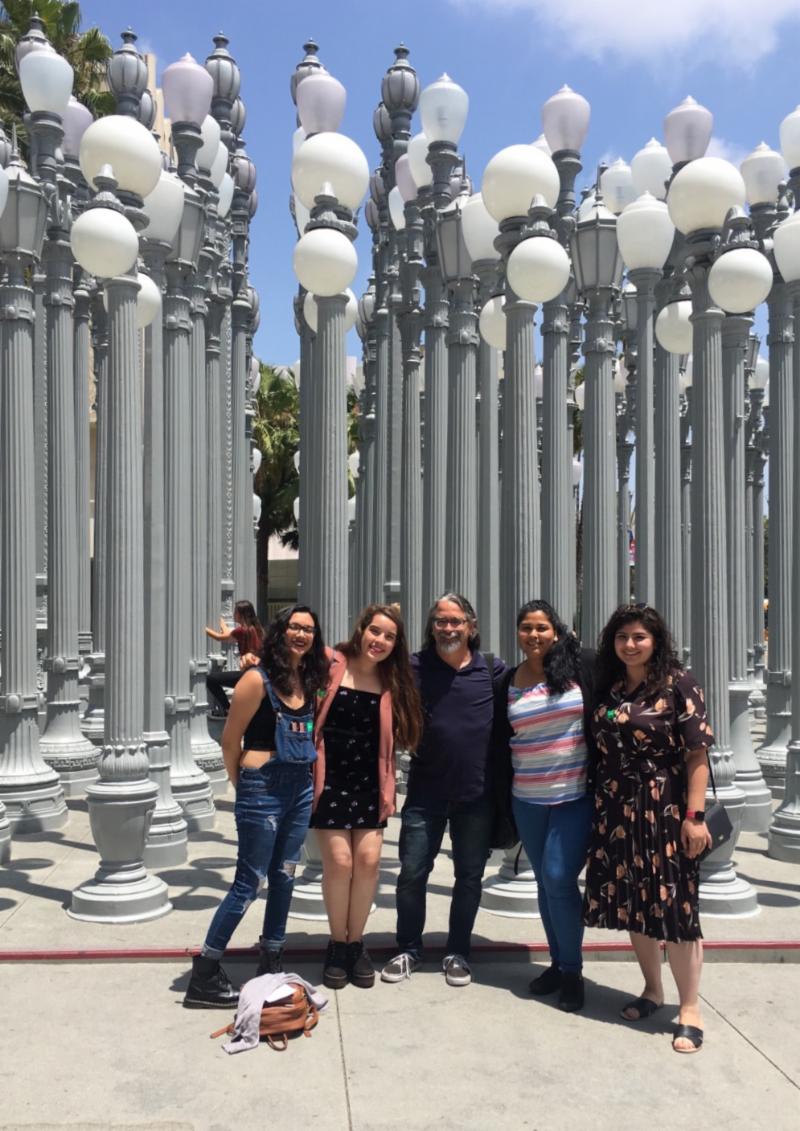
<point x="429" y="640"/>
<point x="394" y="672"/>
<point x="275" y="656"/>
<point x="664" y="662"/>
<point x="562" y="660"/>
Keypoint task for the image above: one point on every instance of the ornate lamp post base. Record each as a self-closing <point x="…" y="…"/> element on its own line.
<point x="772" y="755"/>
<point x="722" y="891"/>
<point x="5" y="836"/>
<point x="784" y="835"/>
<point x="165" y="843"/>
<point x="307" y="901"/>
<point x="512" y="895"/>
<point x="748" y="777"/>
<point x="120" y="814"/>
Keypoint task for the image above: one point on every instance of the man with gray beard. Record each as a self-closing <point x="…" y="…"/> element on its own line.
<point x="449" y="784"/>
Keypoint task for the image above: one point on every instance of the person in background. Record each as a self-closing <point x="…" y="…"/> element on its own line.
<point x="449" y="785"/>
<point x="268" y="748"/>
<point x="542" y="724"/>
<point x="371" y="704"/>
<point x="652" y="734"/>
<point x="248" y="635"/>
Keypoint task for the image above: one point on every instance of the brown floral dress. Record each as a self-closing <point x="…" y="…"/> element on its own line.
<point x="637" y="875"/>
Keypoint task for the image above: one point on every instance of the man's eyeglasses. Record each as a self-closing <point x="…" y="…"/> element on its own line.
<point x="449" y="622"/>
<point x="300" y="629"/>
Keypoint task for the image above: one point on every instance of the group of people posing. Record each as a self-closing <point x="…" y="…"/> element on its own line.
<point x="595" y="759"/>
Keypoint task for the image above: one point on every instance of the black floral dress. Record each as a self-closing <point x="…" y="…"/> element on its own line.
<point x="349" y="798"/>
<point x="637" y="875"/>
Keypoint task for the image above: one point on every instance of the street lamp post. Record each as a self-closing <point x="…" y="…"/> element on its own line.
<point x="31" y="796"/>
<point x="757" y="441"/>
<point x="699" y="200"/>
<point x="46" y="81"/>
<point x="598" y="273"/>
<point x="105" y="243"/>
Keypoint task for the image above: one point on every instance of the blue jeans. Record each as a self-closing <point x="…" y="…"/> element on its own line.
<point x="272" y="810"/>
<point x="556" y="840"/>
<point x="421" y="831"/>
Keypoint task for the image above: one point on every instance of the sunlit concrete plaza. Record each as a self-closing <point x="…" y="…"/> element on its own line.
<point x="340" y="321"/>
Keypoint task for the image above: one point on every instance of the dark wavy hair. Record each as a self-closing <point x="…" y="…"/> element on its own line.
<point x="248" y="616"/>
<point x="314" y="666"/>
<point x="664" y="662"/>
<point x="429" y="641"/>
<point x="562" y="660"/>
<point x="395" y="674"/>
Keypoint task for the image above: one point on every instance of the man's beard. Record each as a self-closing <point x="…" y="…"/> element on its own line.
<point x="448" y="646"/>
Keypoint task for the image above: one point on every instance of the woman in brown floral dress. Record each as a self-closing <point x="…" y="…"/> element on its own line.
<point x="649" y="723"/>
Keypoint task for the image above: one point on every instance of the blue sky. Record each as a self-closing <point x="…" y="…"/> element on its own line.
<point x="633" y="59"/>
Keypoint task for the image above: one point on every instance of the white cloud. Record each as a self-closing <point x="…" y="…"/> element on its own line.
<point x="733" y="31"/>
<point x="727" y="150"/>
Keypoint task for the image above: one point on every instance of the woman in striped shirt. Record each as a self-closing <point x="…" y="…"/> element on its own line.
<point x="544" y="708"/>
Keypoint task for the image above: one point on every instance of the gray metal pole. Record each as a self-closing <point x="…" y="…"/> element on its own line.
<point x="624" y="453"/>
<point x="205" y="751"/>
<point x="165" y="844"/>
<point x="519" y="504"/>
<point x="435" y="424"/>
<point x="557" y="524"/>
<point x="488" y="475"/>
<point x="784" y="833"/>
<point x="42" y="459"/>
<point x="31" y="797"/>
<point x="772" y="754"/>
<point x="756" y="455"/>
<point x="92" y="722"/>
<point x="645" y="573"/>
<point x="396" y="384"/>
<point x="226" y="376"/>
<point x="721" y="890"/>
<point x="305" y="433"/>
<point x="81" y="354"/>
<point x="748" y="777"/>
<point x="331" y="443"/>
<point x="190" y="785"/>
<point x="411" y="464"/>
<point x="599" y="501"/>
<point x="242" y="490"/>
<point x="382" y="412"/>
<point x="63" y="746"/>
<point x="366" y="473"/>
<point x="667" y="492"/>
<point x="461" y="515"/>
<point x="122" y="802"/>
<point x="687" y="441"/>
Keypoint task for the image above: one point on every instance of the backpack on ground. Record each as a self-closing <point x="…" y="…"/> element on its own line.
<point x="293" y="1014"/>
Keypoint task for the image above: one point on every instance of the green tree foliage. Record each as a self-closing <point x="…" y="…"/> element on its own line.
<point x="87" y="52"/>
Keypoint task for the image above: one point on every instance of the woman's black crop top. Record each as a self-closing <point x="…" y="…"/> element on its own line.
<point x="260" y="733"/>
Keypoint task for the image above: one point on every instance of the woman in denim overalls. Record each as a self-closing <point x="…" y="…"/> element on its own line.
<point x="268" y="747"/>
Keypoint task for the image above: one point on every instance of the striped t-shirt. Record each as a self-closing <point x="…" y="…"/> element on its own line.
<point x="548" y="747"/>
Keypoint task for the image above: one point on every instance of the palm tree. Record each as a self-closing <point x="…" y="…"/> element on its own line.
<point x="87" y="53"/>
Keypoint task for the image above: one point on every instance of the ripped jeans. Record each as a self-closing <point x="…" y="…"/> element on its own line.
<point x="272" y="810"/>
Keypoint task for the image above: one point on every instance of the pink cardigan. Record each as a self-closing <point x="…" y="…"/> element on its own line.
<point x="387" y="785"/>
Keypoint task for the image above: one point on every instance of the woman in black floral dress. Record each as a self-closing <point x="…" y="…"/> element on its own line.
<point x="652" y="734"/>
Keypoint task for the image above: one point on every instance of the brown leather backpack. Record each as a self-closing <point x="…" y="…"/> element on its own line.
<point x="295" y="1014"/>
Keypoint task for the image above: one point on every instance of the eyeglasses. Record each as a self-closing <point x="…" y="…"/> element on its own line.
<point x="449" y="622"/>
<point x="300" y="629"/>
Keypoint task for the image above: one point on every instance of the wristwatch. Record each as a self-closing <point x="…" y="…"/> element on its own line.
<point x="695" y="814"/>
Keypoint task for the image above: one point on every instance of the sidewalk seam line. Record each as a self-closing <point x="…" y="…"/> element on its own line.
<point x="344" y="1064"/>
<point x="752" y="1044"/>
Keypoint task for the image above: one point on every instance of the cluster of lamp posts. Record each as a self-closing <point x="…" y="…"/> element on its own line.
<point x="468" y="483"/>
<point x="117" y="265"/>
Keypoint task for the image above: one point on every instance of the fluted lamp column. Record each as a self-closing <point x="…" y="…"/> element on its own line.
<point x="330" y="176"/>
<point x="598" y="273"/>
<point x="699" y="199"/>
<point x="31" y="797"/>
<point x="121" y="804"/>
<point x="46" y="81"/>
<point x="784" y="832"/>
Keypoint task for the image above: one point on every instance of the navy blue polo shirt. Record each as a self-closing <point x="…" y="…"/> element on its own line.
<point x="457" y="705"/>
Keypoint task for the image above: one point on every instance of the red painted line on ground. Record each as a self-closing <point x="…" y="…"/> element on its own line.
<point x="129" y="954"/>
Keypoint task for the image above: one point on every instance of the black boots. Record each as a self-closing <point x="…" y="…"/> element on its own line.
<point x="270" y="961"/>
<point x="334" y="972"/>
<point x="209" y="986"/>
<point x="570" y="998"/>
<point x="359" y="967"/>
<point x="548" y="982"/>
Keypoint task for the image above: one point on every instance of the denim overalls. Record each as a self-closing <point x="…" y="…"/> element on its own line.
<point x="272" y="810"/>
